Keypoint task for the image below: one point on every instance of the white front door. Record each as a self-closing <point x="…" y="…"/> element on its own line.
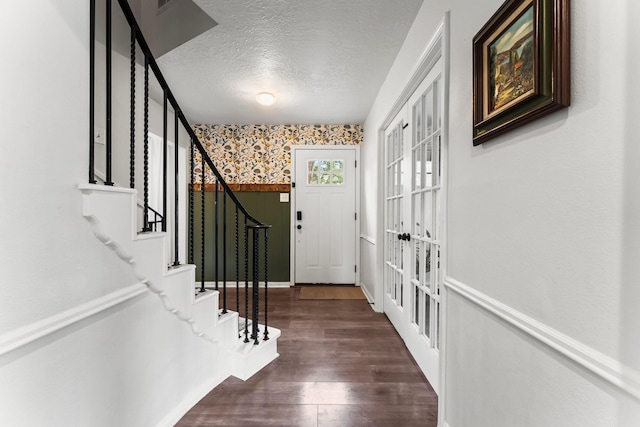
<point x="414" y="165"/>
<point x="325" y="215"/>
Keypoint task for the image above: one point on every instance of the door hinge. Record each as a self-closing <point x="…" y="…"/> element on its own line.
<point x="355" y="268"/>
<point x="356" y="163"/>
<point x="293" y="185"/>
<point x="356" y="216"/>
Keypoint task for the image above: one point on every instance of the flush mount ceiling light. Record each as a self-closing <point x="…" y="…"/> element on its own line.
<point x="265" y="98"/>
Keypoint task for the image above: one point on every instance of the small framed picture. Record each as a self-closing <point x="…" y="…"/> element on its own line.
<point x="521" y="66"/>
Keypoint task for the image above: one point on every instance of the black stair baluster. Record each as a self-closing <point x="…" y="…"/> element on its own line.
<point x="217" y="240"/>
<point x="92" y="89"/>
<point x="246" y="281"/>
<point x="146" y="145"/>
<point x="176" y="190"/>
<point x="224" y="253"/>
<point x="237" y="266"/>
<point x="191" y="202"/>
<point x="109" y="86"/>
<point x="132" y="116"/>
<point x="256" y="294"/>
<point x="202" y="229"/>
<point x="165" y="150"/>
<point x="266" y="281"/>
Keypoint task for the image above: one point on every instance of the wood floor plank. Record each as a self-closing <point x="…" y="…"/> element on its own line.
<point x="327" y="393"/>
<point x="252" y="415"/>
<point x="376" y="415"/>
<point x="341" y="364"/>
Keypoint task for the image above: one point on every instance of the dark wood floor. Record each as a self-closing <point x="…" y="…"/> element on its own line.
<point x="341" y="364"/>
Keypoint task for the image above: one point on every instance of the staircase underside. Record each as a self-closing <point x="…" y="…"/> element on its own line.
<point x="112" y="212"/>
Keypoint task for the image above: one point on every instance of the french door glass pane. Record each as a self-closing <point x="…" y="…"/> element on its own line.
<point x="417" y="217"/>
<point x="417" y="247"/>
<point x="418" y="133"/>
<point x="439" y="270"/>
<point x="428" y="163"/>
<point x="427" y="215"/>
<point x="437" y="117"/>
<point x="437" y="331"/>
<point x="395" y="144"/>
<point x="437" y="197"/>
<point x="428" y="111"/>
<point x="396" y="250"/>
<point x="416" y="305"/>
<point x="427" y="265"/>
<point x="439" y="145"/>
<point x="395" y="285"/>
<point x="435" y="161"/>
<point x="417" y="168"/>
<point x="389" y="212"/>
<point x="427" y="316"/>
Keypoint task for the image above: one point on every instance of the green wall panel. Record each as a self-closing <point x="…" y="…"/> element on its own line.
<point x="265" y="207"/>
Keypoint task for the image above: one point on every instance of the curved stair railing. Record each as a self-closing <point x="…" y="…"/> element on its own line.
<point x="250" y="236"/>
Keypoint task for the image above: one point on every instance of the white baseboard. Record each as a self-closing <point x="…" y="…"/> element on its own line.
<point x="607" y="368"/>
<point x="190" y="401"/>
<point x="366" y="293"/>
<point x="22" y="336"/>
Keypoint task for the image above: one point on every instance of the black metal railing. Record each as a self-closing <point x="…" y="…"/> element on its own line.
<point x="206" y="239"/>
<point x="155" y="224"/>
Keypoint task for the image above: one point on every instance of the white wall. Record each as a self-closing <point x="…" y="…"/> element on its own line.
<point x="543" y="233"/>
<point x="129" y="365"/>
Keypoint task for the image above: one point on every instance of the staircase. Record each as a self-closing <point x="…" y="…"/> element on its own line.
<point x="112" y="212"/>
<point x="167" y="262"/>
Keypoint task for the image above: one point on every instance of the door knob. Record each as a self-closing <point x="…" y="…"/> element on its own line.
<point x="299" y="227"/>
<point x="407" y="237"/>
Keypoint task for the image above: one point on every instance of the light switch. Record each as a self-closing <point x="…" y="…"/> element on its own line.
<point x="284" y="197"/>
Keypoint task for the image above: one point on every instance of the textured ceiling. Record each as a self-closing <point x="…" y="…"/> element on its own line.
<point x="325" y="60"/>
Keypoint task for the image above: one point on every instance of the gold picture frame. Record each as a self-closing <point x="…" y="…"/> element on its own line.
<point x="521" y="66"/>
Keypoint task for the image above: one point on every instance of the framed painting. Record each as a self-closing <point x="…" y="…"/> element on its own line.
<point x="521" y="66"/>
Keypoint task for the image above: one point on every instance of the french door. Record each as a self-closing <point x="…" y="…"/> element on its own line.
<point x="414" y="165"/>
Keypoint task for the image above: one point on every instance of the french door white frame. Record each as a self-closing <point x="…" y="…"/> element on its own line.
<point x="292" y="204"/>
<point x="437" y="48"/>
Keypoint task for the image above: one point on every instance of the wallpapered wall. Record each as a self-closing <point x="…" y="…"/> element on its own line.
<point x="261" y="154"/>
